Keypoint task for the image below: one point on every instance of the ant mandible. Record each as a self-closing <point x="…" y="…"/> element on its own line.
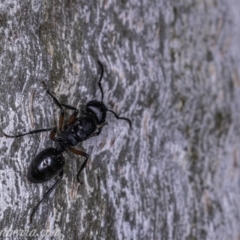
<point x="50" y="162"/>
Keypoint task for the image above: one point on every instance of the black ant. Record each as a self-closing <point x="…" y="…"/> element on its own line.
<point x="50" y="162"/>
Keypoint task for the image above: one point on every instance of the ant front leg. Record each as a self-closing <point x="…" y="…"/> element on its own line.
<point x="74" y="115"/>
<point x="60" y="123"/>
<point x="99" y="130"/>
<point x="78" y="152"/>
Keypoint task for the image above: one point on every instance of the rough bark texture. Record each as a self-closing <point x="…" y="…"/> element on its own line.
<point x="172" y="67"/>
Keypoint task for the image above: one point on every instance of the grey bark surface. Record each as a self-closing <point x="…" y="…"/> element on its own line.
<point x="172" y="67"/>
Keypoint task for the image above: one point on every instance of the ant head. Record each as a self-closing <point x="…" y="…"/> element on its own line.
<point x="98" y="110"/>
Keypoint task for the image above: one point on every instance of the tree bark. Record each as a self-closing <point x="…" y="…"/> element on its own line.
<point x="172" y="67"/>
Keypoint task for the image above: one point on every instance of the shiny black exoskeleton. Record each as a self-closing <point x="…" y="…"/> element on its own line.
<point x="50" y="162"/>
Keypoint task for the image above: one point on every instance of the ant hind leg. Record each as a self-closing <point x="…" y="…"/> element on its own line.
<point x="47" y="194"/>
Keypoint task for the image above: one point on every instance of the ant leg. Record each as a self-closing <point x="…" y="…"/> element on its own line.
<point x="31" y="132"/>
<point x="121" y="118"/>
<point x="53" y="134"/>
<point x="99" y="130"/>
<point x="74" y="115"/>
<point x="100" y="79"/>
<point x="78" y="152"/>
<point x="60" y="123"/>
<point x="47" y="194"/>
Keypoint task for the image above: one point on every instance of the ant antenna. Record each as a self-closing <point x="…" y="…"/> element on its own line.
<point x="100" y="79"/>
<point x="100" y="86"/>
<point x="121" y="118"/>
